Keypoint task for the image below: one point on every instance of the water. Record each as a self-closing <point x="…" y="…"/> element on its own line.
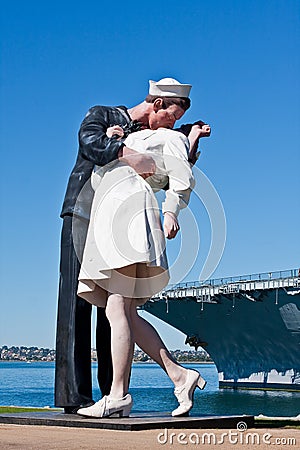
<point x="24" y="384"/>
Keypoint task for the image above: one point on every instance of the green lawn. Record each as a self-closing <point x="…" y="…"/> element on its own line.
<point x="276" y="423"/>
<point x="13" y="409"/>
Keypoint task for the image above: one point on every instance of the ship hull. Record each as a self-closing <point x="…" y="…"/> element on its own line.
<point x="250" y="330"/>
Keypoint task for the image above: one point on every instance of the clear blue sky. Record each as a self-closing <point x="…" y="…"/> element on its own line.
<point x="60" y="58"/>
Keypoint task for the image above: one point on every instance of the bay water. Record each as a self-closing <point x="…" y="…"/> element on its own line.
<point x="32" y="384"/>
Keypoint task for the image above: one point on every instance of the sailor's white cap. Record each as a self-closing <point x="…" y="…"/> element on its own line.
<point x="169" y="87"/>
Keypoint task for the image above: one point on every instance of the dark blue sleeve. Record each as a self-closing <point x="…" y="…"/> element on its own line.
<point x="94" y="145"/>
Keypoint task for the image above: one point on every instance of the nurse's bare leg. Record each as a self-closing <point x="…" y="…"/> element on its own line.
<point x="122" y="343"/>
<point x="148" y="339"/>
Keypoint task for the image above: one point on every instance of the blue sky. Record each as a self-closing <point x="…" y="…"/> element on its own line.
<point x="60" y="58"/>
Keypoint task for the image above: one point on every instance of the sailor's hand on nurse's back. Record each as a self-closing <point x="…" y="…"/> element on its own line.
<point x="171" y="225"/>
<point x="115" y="130"/>
<point x="142" y="163"/>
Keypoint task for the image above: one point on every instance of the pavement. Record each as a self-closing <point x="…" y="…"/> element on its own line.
<point x="33" y="437"/>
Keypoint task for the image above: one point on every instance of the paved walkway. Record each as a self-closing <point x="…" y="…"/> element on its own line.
<point x="29" y="437"/>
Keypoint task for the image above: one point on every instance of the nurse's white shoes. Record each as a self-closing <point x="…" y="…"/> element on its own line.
<point x="185" y="393"/>
<point x="109" y="407"/>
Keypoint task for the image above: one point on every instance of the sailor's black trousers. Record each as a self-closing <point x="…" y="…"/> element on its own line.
<point x="73" y="380"/>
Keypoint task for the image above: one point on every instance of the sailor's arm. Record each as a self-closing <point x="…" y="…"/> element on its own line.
<point x="101" y="144"/>
<point x="94" y="144"/>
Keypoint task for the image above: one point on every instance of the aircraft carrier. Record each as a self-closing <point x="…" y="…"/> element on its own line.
<point x="249" y="325"/>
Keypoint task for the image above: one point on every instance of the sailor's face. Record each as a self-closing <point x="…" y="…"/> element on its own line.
<point x="165" y="118"/>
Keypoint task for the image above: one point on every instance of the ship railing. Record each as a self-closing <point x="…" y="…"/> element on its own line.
<point x="230" y="285"/>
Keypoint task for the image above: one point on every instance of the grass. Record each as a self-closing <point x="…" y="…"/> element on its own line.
<point x="20" y="409"/>
<point x="273" y="423"/>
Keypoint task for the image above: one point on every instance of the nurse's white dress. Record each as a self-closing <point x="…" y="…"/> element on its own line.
<point x="125" y="226"/>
